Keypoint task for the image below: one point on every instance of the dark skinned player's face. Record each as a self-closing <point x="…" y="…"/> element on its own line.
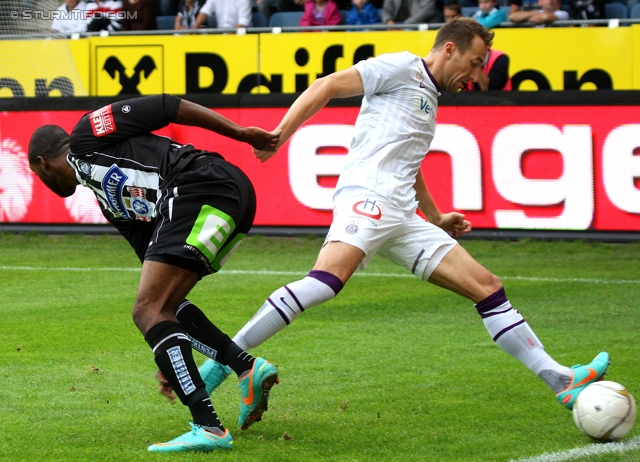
<point x="53" y="180"/>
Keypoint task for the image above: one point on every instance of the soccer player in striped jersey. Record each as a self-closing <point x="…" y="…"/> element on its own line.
<point x="381" y="187"/>
<point x="184" y="211"/>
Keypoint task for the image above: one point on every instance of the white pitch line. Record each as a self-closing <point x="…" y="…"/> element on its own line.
<point x="592" y="450"/>
<point x="586" y="280"/>
<point x="302" y="273"/>
<point x="52" y="268"/>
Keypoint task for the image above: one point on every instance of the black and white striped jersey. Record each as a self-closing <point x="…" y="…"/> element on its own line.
<point x="115" y="154"/>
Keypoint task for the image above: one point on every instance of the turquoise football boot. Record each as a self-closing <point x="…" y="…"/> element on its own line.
<point x="583" y="376"/>
<point x="197" y="440"/>
<point x="213" y="374"/>
<point x="255" y="386"/>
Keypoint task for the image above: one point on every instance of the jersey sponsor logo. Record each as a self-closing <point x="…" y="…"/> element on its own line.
<point x="180" y="368"/>
<point x="112" y="185"/>
<point x="102" y="121"/>
<point x="424" y="105"/>
<point x="368" y="208"/>
<point x="126" y="109"/>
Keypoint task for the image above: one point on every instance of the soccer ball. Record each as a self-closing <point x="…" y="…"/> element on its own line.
<point x="605" y="411"/>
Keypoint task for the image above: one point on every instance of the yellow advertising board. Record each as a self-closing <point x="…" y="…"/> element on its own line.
<point x="570" y="58"/>
<point x="540" y="58"/>
<point x="297" y="63"/>
<point x="80" y="53"/>
<point x="42" y="68"/>
<point x="635" y="62"/>
<point x="549" y="58"/>
<point x="171" y="64"/>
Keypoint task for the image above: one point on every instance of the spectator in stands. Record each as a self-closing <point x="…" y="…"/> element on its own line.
<point x="320" y="13"/>
<point x="496" y="73"/>
<point x="71" y="18"/>
<point x="187" y="13"/>
<point x="362" y="12"/>
<point x="103" y="15"/>
<point x="590" y="9"/>
<point x="490" y="14"/>
<point x="451" y="10"/>
<point x="266" y="7"/>
<point x="290" y="5"/>
<point x="345" y="5"/>
<point x="140" y="15"/>
<point x="229" y="13"/>
<point x="409" y="11"/>
<point x="550" y="11"/>
<point x="523" y="5"/>
<point x="168" y="7"/>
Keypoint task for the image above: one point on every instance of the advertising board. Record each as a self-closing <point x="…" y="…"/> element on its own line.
<point x="555" y="167"/>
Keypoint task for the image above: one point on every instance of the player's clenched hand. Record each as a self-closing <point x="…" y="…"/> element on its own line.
<point x="455" y="223"/>
<point x="265" y="154"/>
<point x="261" y="139"/>
<point x="164" y="387"/>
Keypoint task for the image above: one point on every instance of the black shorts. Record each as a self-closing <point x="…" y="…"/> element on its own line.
<point x="203" y="216"/>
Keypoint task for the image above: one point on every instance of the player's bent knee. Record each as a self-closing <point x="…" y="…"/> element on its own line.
<point x="495" y="283"/>
<point x="139" y="316"/>
<point x="146" y="316"/>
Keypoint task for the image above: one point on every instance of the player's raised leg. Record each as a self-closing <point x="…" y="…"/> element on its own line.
<point x="460" y="273"/>
<point x="335" y="264"/>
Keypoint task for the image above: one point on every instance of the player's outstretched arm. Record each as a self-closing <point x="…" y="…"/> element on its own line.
<point x="452" y="221"/>
<point x="343" y="84"/>
<point x="199" y="116"/>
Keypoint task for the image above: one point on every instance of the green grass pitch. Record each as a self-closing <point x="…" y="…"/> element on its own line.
<point x="392" y="370"/>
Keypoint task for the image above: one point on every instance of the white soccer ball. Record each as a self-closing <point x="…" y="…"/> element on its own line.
<point x="605" y="411"/>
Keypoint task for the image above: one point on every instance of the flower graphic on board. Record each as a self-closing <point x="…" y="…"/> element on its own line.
<point x="16" y="181"/>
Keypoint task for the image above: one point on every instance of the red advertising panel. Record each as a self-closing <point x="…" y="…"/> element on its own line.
<point x="505" y="167"/>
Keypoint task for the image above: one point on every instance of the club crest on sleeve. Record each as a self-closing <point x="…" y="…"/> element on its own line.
<point x="84" y="167"/>
<point x="142" y="208"/>
<point x="351" y="228"/>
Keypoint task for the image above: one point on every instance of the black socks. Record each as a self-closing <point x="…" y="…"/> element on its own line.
<point x="211" y="341"/>
<point x="172" y="349"/>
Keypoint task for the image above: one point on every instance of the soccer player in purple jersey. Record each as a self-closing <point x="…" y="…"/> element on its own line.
<point x="381" y="187"/>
